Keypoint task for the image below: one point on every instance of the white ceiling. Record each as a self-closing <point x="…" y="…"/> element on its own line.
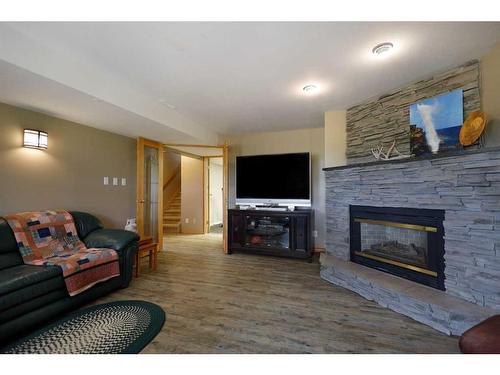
<point x="192" y="81"/>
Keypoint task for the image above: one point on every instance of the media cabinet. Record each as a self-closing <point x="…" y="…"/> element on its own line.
<point x="280" y="233"/>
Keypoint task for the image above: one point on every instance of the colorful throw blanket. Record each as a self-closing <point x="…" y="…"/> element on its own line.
<point x="49" y="238"/>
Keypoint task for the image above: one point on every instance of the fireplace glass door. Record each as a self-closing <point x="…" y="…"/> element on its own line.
<point x="401" y="244"/>
<point x="407" y="242"/>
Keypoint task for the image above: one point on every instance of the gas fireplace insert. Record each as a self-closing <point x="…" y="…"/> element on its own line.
<point x="407" y="242"/>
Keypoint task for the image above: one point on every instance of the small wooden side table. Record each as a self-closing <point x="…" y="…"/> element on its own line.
<point x="147" y="248"/>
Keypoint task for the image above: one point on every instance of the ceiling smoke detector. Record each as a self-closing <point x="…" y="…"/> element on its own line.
<point x="382" y="48"/>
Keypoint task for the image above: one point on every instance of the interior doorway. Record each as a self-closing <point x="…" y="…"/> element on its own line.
<point x="195" y="190"/>
<point x="215" y="184"/>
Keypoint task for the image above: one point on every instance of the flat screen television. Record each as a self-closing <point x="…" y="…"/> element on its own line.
<point x="283" y="179"/>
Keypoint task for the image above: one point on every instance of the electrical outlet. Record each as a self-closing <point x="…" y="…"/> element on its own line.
<point x="106" y="180"/>
<point x="115" y="181"/>
<point x="315" y="233"/>
<point x="124" y="181"/>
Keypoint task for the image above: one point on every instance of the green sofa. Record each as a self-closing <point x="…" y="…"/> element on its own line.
<point x="31" y="296"/>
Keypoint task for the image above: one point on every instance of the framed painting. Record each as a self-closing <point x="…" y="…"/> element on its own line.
<point x="435" y="123"/>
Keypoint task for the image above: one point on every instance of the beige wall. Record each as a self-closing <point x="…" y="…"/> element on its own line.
<point x="69" y="174"/>
<point x="301" y="140"/>
<point x="191" y="195"/>
<point x="490" y="82"/>
<point x="335" y="138"/>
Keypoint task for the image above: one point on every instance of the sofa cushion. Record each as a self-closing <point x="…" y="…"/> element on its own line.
<point x="9" y="252"/>
<point x="116" y="239"/>
<point x="85" y="223"/>
<point x="25" y="300"/>
<point x="22" y="276"/>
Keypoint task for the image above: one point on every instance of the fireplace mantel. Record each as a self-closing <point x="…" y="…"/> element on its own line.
<point x="449" y="154"/>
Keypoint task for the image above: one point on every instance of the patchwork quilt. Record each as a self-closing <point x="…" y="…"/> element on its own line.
<point x="49" y="238"/>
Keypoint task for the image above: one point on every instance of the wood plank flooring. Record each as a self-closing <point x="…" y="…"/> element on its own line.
<point x="241" y="303"/>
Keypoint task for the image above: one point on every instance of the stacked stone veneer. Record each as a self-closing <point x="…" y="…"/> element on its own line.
<point x="383" y="120"/>
<point x="467" y="187"/>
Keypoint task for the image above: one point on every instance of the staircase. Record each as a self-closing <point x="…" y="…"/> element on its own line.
<point x="172" y="215"/>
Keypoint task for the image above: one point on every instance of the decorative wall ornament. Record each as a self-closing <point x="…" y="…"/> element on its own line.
<point x="473" y="128"/>
<point x="391" y="154"/>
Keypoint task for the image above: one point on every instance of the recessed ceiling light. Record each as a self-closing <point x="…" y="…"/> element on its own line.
<point x="382" y="48"/>
<point x="309" y="88"/>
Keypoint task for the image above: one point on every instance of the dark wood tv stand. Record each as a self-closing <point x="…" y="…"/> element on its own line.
<point x="280" y="233"/>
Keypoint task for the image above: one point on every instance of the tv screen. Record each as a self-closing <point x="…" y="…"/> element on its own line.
<point x="273" y="177"/>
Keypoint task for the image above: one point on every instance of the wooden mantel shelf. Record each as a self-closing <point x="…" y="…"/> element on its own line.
<point x="417" y="158"/>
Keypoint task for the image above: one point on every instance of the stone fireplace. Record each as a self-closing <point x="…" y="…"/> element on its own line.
<point x="464" y="188"/>
<point x="448" y="278"/>
<point x="405" y="242"/>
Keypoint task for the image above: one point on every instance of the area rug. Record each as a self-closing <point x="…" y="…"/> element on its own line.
<point x="123" y="327"/>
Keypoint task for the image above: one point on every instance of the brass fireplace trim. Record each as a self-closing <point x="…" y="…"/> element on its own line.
<point x="396" y="263"/>
<point x="397" y="225"/>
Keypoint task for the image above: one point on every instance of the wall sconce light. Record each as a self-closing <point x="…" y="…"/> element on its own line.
<point x="35" y="139"/>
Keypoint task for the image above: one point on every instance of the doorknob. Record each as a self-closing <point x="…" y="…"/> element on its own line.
<point x="141" y="201"/>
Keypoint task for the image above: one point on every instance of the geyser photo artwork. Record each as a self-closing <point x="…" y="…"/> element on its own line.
<point x="435" y="123"/>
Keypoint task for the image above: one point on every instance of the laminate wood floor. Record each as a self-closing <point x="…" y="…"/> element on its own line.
<point x="242" y="303"/>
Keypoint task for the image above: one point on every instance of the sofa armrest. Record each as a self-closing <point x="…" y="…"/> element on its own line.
<point x="124" y="242"/>
<point x="116" y="239"/>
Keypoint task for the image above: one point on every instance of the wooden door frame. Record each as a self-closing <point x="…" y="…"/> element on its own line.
<point x="208" y="176"/>
<point x="225" y="183"/>
<point x="225" y="196"/>
<point x="206" y="200"/>
<point x="141" y="143"/>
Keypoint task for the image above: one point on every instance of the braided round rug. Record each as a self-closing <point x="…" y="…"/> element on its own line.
<point x="123" y="327"/>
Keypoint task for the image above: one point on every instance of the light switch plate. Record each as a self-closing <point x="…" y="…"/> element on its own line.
<point x="106" y="180"/>
<point x="315" y="233"/>
<point x="186" y="220"/>
<point x="124" y="181"/>
<point x="115" y="181"/>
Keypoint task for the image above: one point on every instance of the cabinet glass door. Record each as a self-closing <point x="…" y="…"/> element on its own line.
<point x="150" y="190"/>
<point x="266" y="231"/>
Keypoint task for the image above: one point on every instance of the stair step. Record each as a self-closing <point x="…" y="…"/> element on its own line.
<point x="172" y="212"/>
<point x="172" y="228"/>
<point x="172" y="217"/>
